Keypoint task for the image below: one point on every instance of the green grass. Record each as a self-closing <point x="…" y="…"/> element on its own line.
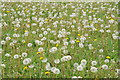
<point x="15" y="67"/>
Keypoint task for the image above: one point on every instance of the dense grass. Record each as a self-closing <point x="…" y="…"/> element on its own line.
<point x="100" y="40"/>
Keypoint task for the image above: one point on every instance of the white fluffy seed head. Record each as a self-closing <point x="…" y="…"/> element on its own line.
<point x="40" y="49"/>
<point x="56" y="71"/>
<point x="93" y="69"/>
<point x="7" y="55"/>
<point x="24" y="54"/>
<point x="94" y="63"/>
<point x="81" y="45"/>
<point x="79" y="68"/>
<point x="104" y="66"/>
<point x="3" y="42"/>
<point x="16" y="56"/>
<point x="106" y="60"/>
<point x="83" y="61"/>
<point x="53" y="50"/>
<point x="76" y="65"/>
<point x="31" y="66"/>
<point x="8" y="38"/>
<point x="56" y="61"/>
<point x="101" y="50"/>
<point x="44" y="60"/>
<point x="26" y="61"/>
<point x="29" y="44"/>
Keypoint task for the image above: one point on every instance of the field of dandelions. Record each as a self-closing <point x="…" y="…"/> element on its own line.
<point x="59" y="40"/>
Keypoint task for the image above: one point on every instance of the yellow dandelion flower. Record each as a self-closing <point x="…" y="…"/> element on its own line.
<point x="93" y="11"/>
<point x="39" y="52"/>
<point x="108" y="57"/>
<point x="26" y="9"/>
<point x="111" y="19"/>
<point x="95" y="39"/>
<point x="10" y="37"/>
<point x="8" y="11"/>
<point x="16" y="28"/>
<point x="74" y="30"/>
<point x="57" y="45"/>
<point x="23" y="41"/>
<point x="46" y="19"/>
<point x="96" y="29"/>
<point x="62" y="18"/>
<point x="47" y="73"/>
<point x="28" y="24"/>
<point x="16" y="9"/>
<point x="95" y="48"/>
<point x="77" y="40"/>
<point x="67" y="38"/>
<point x="41" y="58"/>
<point x="26" y="30"/>
<point x="78" y="34"/>
<point x="25" y="68"/>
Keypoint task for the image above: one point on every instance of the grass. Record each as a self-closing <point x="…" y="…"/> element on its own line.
<point x="15" y="67"/>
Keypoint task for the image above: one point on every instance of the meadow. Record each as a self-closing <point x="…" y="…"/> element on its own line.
<point x="59" y="40"/>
